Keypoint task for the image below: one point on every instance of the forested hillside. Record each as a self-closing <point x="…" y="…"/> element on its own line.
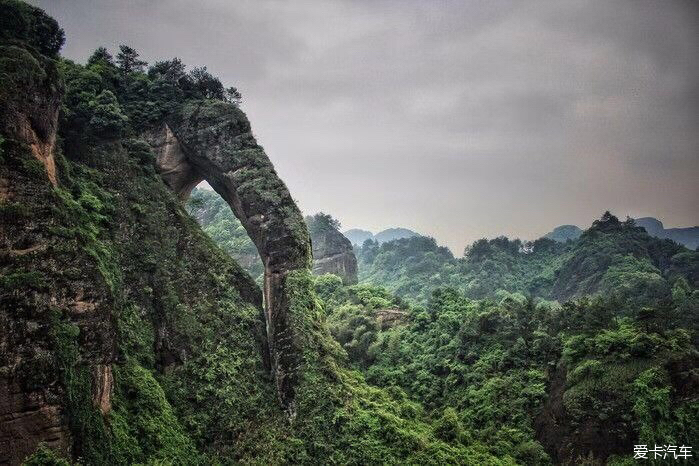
<point x="582" y="381"/>
<point x="217" y="221"/>
<point x="612" y="258"/>
<point x="131" y="334"/>
<point x="688" y="236"/>
<point x="544" y="350"/>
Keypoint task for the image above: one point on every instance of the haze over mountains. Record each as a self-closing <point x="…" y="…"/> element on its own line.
<point x="146" y="323"/>
<point x="358" y="236"/>
<point x="687" y="236"/>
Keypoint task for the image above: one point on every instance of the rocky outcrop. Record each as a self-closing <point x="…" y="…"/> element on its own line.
<point x="31" y="92"/>
<point x="172" y="164"/>
<point x="127" y="336"/>
<point x="388" y="318"/>
<point x="333" y="253"/>
<point x="212" y="141"/>
<point x="687" y="236"/>
<point x="27" y="418"/>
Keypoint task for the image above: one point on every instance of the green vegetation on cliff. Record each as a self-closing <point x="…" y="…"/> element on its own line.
<point x="483" y="346"/>
<point x="145" y="341"/>
<point x="130" y="336"/>
<point x="217" y="221"/>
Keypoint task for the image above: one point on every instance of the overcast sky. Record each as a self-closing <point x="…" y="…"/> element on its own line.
<point x="458" y="119"/>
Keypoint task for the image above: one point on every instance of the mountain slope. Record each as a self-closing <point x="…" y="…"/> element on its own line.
<point x="688" y="237"/>
<point x="564" y="233"/>
<point x="358" y="236"/>
<point x="391" y="234"/>
<point x="332" y="252"/>
<point x="127" y="335"/>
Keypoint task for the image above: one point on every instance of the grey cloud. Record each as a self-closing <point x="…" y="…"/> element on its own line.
<point x="457" y="119"/>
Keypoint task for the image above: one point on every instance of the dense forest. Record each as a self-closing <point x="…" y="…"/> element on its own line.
<point x="545" y="350"/>
<point x="612" y="257"/>
<point x="139" y="324"/>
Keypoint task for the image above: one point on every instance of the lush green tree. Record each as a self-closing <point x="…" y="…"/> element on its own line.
<point x="611" y="258"/>
<point x="100" y="56"/>
<point x="107" y="119"/>
<point x="30" y="26"/>
<point x="233" y="95"/>
<point x="128" y="61"/>
<point x="169" y="70"/>
<point x="321" y="222"/>
<point x="203" y="84"/>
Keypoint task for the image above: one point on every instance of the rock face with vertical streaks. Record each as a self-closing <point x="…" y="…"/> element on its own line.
<point x="333" y="253"/>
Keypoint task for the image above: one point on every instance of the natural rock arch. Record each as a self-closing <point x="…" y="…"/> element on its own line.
<point x="212" y="141"/>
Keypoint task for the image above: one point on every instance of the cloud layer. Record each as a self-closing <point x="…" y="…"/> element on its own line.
<point x="457" y="119"/>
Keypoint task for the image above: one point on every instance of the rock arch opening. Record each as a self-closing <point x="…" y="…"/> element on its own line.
<point x="212" y="141"/>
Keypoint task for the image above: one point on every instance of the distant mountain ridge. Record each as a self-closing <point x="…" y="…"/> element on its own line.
<point x="687" y="236"/>
<point x="564" y="233"/>
<point x="358" y="236"/>
<point x="611" y="256"/>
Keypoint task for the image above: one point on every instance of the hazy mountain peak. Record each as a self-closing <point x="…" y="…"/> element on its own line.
<point x="564" y="233"/>
<point x="358" y="236"/>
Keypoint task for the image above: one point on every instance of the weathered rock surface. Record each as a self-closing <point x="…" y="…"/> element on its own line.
<point x="172" y="164"/>
<point x="333" y="253"/>
<point x="27" y="418"/>
<point x="29" y="105"/>
<point x="30" y="407"/>
<point x="391" y="317"/>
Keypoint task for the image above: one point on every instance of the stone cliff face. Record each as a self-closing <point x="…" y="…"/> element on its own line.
<point x="171" y="162"/>
<point x="31" y="93"/>
<point x="333" y="253"/>
<point x="104" y="281"/>
<point x="30" y="411"/>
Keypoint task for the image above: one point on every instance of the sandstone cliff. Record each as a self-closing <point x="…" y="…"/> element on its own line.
<point x="104" y="282"/>
<point x="332" y="251"/>
<point x="212" y="140"/>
